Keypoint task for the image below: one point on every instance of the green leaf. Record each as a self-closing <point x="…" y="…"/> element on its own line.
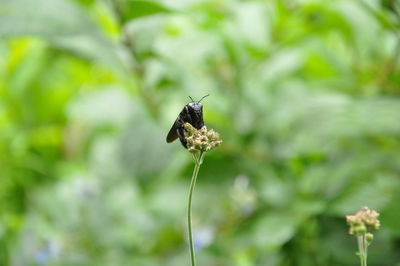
<point x="62" y="23"/>
<point x="274" y="230"/>
<point x="136" y="9"/>
<point x="42" y="18"/>
<point x="375" y="194"/>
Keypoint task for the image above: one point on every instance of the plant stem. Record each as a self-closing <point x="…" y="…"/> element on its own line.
<point x="362" y="249"/>
<point x="365" y="249"/>
<point x="198" y="160"/>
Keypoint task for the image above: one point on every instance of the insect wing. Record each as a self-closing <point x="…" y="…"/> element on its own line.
<point x="173" y="133"/>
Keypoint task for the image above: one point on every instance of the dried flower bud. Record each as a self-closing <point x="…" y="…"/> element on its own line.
<point x="201" y="139"/>
<point x="364" y="219"/>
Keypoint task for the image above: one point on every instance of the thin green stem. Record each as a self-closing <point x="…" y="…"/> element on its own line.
<point x="365" y="249"/>
<point x="362" y="249"/>
<point x="198" y="160"/>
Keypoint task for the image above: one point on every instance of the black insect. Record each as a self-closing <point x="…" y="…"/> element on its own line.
<point x="192" y="113"/>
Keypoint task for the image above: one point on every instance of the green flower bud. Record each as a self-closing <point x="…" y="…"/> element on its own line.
<point x="369" y="237"/>
<point x="360" y="229"/>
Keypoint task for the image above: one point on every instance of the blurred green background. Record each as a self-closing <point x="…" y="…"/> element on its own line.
<point x="305" y="95"/>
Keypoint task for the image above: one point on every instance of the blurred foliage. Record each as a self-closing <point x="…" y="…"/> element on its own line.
<point x="305" y="95"/>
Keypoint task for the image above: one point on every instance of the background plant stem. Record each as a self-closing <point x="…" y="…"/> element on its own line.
<point x="198" y="160"/>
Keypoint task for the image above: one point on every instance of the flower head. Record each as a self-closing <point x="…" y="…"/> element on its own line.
<point x="363" y="220"/>
<point x="200" y="139"/>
